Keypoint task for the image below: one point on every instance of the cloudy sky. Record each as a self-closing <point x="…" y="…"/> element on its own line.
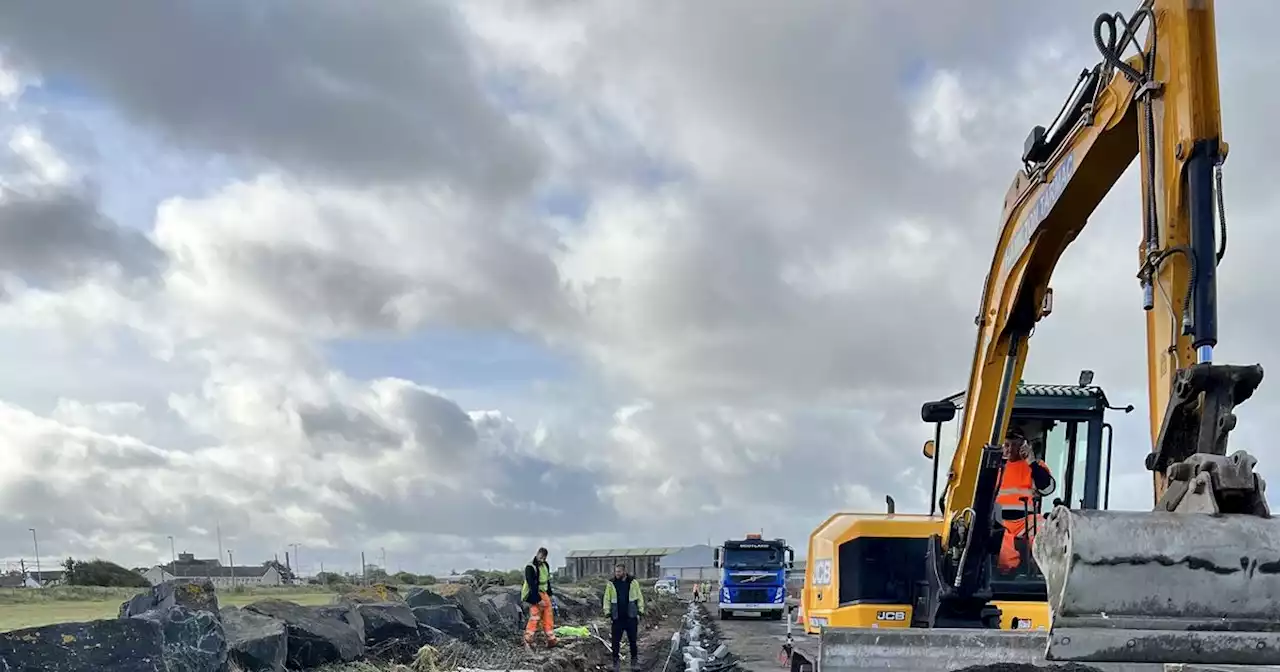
<point x="456" y="280"/>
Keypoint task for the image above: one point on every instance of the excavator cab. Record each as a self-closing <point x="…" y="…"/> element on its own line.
<point x="1066" y="427"/>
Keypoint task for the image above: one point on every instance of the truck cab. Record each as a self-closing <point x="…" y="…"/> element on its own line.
<point x="754" y="576"/>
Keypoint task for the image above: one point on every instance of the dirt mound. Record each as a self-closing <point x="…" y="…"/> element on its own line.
<point x="370" y="594"/>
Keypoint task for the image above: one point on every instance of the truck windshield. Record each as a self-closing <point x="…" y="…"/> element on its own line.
<point x="752" y="558"/>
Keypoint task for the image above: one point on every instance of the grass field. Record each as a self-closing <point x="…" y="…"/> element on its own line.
<point x="27" y="607"/>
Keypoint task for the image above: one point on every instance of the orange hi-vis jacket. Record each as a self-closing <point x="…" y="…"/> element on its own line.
<point x="1016" y="486"/>
<point x="1016" y="497"/>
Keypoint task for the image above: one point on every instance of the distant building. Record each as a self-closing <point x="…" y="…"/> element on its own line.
<point x="189" y="567"/>
<point x="32" y="579"/>
<point x="691" y="563"/>
<point x="641" y="562"/>
<point x="47" y="577"/>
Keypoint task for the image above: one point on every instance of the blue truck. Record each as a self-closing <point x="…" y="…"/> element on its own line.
<point x="753" y="576"/>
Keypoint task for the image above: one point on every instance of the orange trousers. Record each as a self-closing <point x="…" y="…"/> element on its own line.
<point x="1009" y="557"/>
<point x="541" y="613"/>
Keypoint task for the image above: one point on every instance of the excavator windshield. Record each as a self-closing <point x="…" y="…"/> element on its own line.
<point x="1066" y="429"/>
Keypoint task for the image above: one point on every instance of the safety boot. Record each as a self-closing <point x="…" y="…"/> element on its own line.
<point x="617" y="665"/>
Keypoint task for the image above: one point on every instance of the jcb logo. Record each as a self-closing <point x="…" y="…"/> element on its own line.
<point x="891" y="615"/>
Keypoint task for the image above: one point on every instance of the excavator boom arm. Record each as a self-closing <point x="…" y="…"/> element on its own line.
<point x="1161" y="106"/>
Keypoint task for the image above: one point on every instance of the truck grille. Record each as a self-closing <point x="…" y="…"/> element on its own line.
<point x="753" y="595"/>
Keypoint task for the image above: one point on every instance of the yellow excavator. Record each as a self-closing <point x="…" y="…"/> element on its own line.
<point x="1197" y="580"/>
<point x="868" y="570"/>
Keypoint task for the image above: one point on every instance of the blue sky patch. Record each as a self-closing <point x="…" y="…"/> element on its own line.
<point x="452" y="359"/>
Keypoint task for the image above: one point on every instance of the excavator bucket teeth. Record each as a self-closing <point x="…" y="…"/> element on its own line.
<point x="1156" y="587"/>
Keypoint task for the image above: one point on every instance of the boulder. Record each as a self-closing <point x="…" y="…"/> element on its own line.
<point x="193" y="640"/>
<point x="446" y="618"/>
<point x="346" y="613"/>
<point x="387" y="621"/>
<point x="507" y="607"/>
<point x="314" y="638"/>
<point x="123" y="645"/>
<point x="255" y="642"/>
<point x="465" y="597"/>
<point x="421" y="597"/>
<point x="491" y="612"/>
<point x="432" y="636"/>
<point x="194" y="594"/>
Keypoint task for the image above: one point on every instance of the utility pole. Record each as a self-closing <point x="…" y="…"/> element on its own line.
<point x="364" y="574"/>
<point x="36" y="542"/>
<point x="173" y="559"/>
<point x="384" y="559"/>
<point x="231" y="559"/>
<point x="219" y="528"/>
<point x="297" y="568"/>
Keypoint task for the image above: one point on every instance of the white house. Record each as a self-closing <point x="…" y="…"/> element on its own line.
<point x="188" y="567"/>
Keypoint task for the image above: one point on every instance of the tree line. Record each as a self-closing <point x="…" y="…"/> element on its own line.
<point x="98" y="572"/>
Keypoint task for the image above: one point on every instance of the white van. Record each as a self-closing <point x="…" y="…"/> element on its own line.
<point x="667" y="586"/>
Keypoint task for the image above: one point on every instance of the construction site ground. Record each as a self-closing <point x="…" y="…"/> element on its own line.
<point x="754" y="641"/>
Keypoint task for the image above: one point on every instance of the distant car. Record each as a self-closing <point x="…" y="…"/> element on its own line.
<point x="666" y="587"/>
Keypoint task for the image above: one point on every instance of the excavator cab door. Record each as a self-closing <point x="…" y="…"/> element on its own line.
<point x="1064" y="425"/>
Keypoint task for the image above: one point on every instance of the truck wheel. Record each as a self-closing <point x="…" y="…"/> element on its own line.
<point x="724" y="615"/>
<point x="777" y="616"/>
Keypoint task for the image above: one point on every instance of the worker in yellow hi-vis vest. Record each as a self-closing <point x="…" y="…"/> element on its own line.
<point x="536" y="592"/>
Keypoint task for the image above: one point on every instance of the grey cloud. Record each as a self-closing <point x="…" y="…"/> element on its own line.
<point x="317" y="286"/>
<point x="502" y="493"/>
<point x="383" y="92"/>
<point x="494" y="279"/>
<point x="53" y="237"/>
<point x="439" y="425"/>
<point x="339" y="427"/>
<point x="534" y="498"/>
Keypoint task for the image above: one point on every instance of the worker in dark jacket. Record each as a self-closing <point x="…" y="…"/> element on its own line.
<point x="536" y="592"/>
<point x="624" y="605"/>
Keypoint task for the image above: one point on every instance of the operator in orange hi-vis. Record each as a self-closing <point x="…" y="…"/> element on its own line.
<point x="1024" y="477"/>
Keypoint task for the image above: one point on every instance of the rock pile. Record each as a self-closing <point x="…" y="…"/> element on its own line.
<point x="178" y="626"/>
<point x="700" y="643"/>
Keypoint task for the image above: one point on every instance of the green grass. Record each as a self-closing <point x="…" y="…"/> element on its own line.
<point x="27" y="607"/>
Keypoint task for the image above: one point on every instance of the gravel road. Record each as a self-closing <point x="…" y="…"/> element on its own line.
<point x="756" y="641"/>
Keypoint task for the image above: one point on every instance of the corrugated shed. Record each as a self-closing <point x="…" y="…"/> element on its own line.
<point x="658" y="551"/>
<point x="690" y="556"/>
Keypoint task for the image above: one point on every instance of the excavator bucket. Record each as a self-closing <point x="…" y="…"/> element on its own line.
<point x="1157" y="587"/>
<point x="924" y="650"/>
<point x="946" y="650"/>
<point x="1129" y="591"/>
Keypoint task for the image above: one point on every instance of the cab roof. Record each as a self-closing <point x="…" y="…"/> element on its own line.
<point x="1031" y="395"/>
